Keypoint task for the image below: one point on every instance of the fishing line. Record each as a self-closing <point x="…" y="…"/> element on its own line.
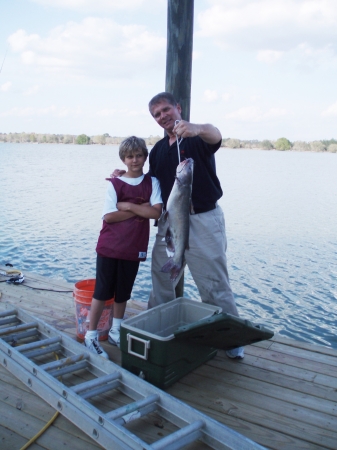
<point x="178" y="142"/>
<point x="3" y="62"/>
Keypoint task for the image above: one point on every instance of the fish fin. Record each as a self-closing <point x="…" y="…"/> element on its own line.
<point x="169" y="241"/>
<point x="178" y="180"/>
<point x="164" y="216"/>
<point x="175" y="272"/>
<point x="172" y="268"/>
<point x="167" y="267"/>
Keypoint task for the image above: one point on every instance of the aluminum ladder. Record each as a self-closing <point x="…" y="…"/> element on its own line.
<point x="67" y="376"/>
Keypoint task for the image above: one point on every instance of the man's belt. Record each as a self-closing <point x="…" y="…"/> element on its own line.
<point x="206" y="209"/>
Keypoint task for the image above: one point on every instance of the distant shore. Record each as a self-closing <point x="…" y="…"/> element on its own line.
<point x="282" y="144"/>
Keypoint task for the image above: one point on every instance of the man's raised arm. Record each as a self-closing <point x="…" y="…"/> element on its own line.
<point x="207" y="132"/>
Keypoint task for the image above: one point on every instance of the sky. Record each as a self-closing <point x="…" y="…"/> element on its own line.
<point x="261" y="69"/>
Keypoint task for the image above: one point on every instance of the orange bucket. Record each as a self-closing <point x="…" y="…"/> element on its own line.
<point x="83" y="292"/>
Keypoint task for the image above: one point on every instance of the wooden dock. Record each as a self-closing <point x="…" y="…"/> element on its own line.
<point x="283" y="395"/>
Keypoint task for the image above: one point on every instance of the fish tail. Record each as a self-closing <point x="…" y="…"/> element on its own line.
<point x="167" y="267"/>
<point x="175" y="272"/>
<point x="172" y="268"/>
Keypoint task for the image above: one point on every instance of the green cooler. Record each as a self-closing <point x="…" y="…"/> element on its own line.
<point x="166" y="342"/>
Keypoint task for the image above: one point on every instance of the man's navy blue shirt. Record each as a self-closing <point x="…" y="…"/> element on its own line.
<point x="206" y="188"/>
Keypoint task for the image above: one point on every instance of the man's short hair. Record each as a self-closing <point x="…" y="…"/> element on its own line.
<point x="160" y="97"/>
<point x="131" y="145"/>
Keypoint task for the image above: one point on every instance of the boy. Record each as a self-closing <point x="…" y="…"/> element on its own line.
<point x="131" y="201"/>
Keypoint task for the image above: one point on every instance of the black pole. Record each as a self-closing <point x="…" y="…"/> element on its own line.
<point x="179" y="52"/>
<point x="179" y="64"/>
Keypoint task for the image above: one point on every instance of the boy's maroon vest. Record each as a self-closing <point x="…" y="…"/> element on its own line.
<point x="128" y="239"/>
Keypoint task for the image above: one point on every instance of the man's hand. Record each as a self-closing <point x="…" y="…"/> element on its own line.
<point x="117" y="173"/>
<point x="208" y="133"/>
<point x="186" y="129"/>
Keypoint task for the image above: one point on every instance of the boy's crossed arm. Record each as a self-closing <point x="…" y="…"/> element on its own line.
<point x="127" y="210"/>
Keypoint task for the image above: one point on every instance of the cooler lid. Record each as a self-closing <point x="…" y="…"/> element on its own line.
<point x="223" y="331"/>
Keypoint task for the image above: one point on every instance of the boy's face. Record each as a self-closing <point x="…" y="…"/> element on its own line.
<point x="135" y="161"/>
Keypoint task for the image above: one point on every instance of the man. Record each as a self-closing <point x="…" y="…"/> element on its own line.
<point x="206" y="256"/>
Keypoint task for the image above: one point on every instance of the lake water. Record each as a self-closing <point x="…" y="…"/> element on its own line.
<point x="281" y="219"/>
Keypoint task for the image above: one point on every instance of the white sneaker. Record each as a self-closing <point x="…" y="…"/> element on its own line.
<point x="94" y="346"/>
<point x="235" y="353"/>
<point x="114" y="337"/>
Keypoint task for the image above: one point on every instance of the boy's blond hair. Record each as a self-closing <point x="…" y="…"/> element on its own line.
<point x="131" y="145"/>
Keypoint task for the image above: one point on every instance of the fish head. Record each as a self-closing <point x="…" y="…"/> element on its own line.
<point x="184" y="171"/>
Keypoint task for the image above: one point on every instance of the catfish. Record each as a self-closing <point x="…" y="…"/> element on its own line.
<point x="178" y="209"/>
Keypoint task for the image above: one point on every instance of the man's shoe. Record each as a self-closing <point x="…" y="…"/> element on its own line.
<point x="94" y="346"/>
<point x="235" y="353"/>
<point x="114" y="337"/>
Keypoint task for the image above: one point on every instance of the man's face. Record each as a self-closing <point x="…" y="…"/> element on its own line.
<point x="166" y="114"/>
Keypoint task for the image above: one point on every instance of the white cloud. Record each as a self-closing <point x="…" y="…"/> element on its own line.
<point x="226" y="96"/>
<point x="196" y="55"/>
<point x="228" y="16"/>
<point x="6" y="86"/>
<point x="254" y="114"/>
<point x="19" y="41"/>
<point x="275" y="112"/>
<point x="136" y="112"/>
<point x="271" y="28"/>
<point x="306" y="56"/>
<point x="330" y="111"/>
<point x="106" y="112"/>
<point x="30" y="112"/>
<point x="53" y="111"/>
<point x="92" y="6"/>
<point x="255" y="97"/>
<point x="210" y="96"/>
<point x="244" y="114"/>
<point x="269" y="56"/>
<point x="303" y="56"/>
<point x="32" y="90"/>
<point x="95" y="46"/>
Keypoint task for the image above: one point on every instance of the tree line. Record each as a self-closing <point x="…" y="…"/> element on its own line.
<point x="81" y="139"/>
<point x="282" y="143"/>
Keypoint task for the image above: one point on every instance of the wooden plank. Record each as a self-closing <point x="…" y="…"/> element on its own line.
<point x="57" y="302"/>
<point x="291" y="343"/>
<point x="297" y="378"/>
<point x="26" y="295"/>
<point x="237" y="416"/>
<point x="278" y="419"/>
<point x="37" y="276"/>
<point x="318" y="411"/>
<point x="9" y="440"/>
<point x="16" y="396"/>
<point x="312" y="347"/>
<point x="325" y="364"/>
<point x="313" y="355"/>
<point x="26" y="425"/>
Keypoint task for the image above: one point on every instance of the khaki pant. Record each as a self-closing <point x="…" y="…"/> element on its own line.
<point x="206" y="260"/>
